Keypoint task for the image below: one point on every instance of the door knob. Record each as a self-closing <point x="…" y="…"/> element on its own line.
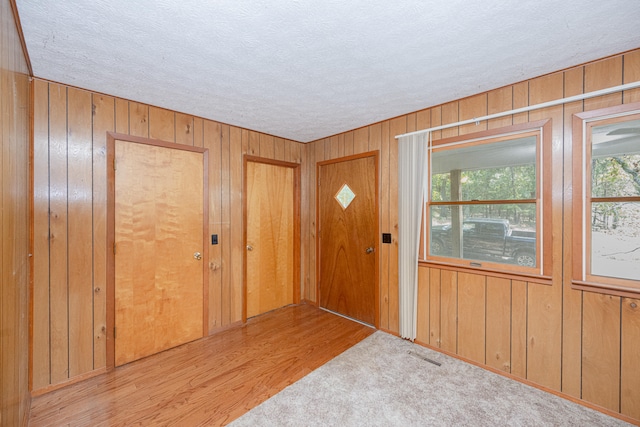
<point x="249" y="247"/>
<point x="197" y="255"/>
<point x="369" y="250"/>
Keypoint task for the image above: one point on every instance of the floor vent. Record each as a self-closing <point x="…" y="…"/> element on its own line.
<point x="426" y="359"/>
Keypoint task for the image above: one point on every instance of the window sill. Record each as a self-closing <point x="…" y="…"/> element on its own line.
<point x="607" y="289"/>
<point x="531" y="278"/>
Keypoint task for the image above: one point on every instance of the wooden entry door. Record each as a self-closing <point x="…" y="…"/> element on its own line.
<point x="272" y="262"/>
<point x="348" y="236"/>
<point x="158" y="204"/>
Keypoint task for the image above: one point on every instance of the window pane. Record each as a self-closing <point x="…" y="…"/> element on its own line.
<point x="492" y="171"/>
<point x="615" y="240"/>
<point x="503" y="233"/>
<point x="615" y="166"/>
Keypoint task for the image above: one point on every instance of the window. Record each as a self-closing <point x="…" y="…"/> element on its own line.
<point x="485" y="200"/>
<point x="606" y="191"/>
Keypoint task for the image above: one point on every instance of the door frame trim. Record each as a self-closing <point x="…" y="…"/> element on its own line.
<point x="296" y="225"/>
<point x="376" y="156"/>
<point x="112" y="137"/>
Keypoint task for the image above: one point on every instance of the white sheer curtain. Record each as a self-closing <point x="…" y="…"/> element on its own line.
<point x="412" y="152"/>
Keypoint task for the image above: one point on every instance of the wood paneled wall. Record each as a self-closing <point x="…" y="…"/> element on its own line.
<point x="582" y="344"/>
<point x="14" y="220"/>
<point x="70" y="130"/>
<point x="578" y="343"/>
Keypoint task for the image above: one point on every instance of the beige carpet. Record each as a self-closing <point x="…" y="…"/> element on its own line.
<point x="385" y="381"/>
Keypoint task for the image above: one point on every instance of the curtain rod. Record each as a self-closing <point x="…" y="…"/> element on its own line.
<point x="529" y="108"/>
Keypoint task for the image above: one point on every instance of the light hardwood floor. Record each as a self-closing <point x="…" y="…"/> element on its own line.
<point x="211" y="381"/>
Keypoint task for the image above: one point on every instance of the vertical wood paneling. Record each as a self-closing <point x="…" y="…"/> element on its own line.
<point x="631" y="73"/>
<point x="435" y="296"/>
<point x="267" y="146"/>
<point x="500" y="100"/>
<point x="545" y="302"/>
<point x="361" y="140"/>
<point x="449" y="310"/>
<point x="630" y="353"/>
<point x="40" y="345"/>
<point x="545" y="341"/>
<point x="279" y="149"/>
<point x="15" y="203"/>
<point x="471" y="316"/>
<point x="80" y="231"/>
<point x="396" y="127"/>
<point x="305" y="222"/>
<point x="254" y="144"/>
<point x="225" y="222"/>
<point x="184" y="129"/>
<point x="422" y="327"/>
<point x="572" y="299"/>
<point x="543" y="333"/>
<point x="103" y="121"/>
<point x="162" y="124"/>
<point x="198" y="132"/>
<point x="138" y="119"/>
<point x="385" y="224"/>
<point x="498" y="347"/>
<point x="450" y="115"/>
<point x="122" y="116"/>
<point x="211" y="141"/>
<point x="58" y="279"/>
<point x="519" y="328"/>
<point x="474" y="106"/>
<point x="600" y="75"/>
<point x="520" y="99"/>
<point x="601" y="350"/>
<point x="235" y="222"/>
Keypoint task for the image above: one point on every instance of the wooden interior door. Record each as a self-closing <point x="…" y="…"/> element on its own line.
<point x="159" y="211"/>
<point x="272" y="230"/>
<point x="348" y="236"/>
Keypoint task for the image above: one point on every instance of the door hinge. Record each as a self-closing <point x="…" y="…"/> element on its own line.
<point x="114" y="248"/>
<point x="114" y="164"/>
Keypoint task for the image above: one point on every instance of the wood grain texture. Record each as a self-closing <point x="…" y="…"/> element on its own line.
<point x="498" y="328"/>
<point x="103" y="122"/>
<point x="385" y="225"/>
<point x="601" y="350"/>
<point x="396" y="127"/>
<point x="469" y="108"/>
<point x="435" y="296"/>
<point x="15" y="237"/>
<point x="471" y="316"/>
<point x="422" y="326"/>
<point x="158" y="228"/>
<point x="631" y="73"/>
<point x="52" y="344"/>
<point x="630" y="356"/>
<point x="80" y="230"/>
<point x="211" y="381"/>
<point x="600" y="75"/>
<point x="347" y="270"/>
<point x="270" y="237"/>
<point x="572" y="299"/>
<point x="519" y="328"/>
<point x="58" y="234"/>
<point x="162" y="124"/>
<point x="449" y="310"/>
<point x="40" y="345"/>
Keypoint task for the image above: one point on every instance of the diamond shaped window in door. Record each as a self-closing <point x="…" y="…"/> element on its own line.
<point x="345" y="196"/>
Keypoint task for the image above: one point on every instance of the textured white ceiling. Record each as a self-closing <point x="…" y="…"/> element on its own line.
<point x="304" y="70"/>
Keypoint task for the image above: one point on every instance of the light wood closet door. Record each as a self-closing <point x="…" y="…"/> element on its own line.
<point x="348" y="230"/>
<point x="270" y="226"/>
<point x="159" y="298"/>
